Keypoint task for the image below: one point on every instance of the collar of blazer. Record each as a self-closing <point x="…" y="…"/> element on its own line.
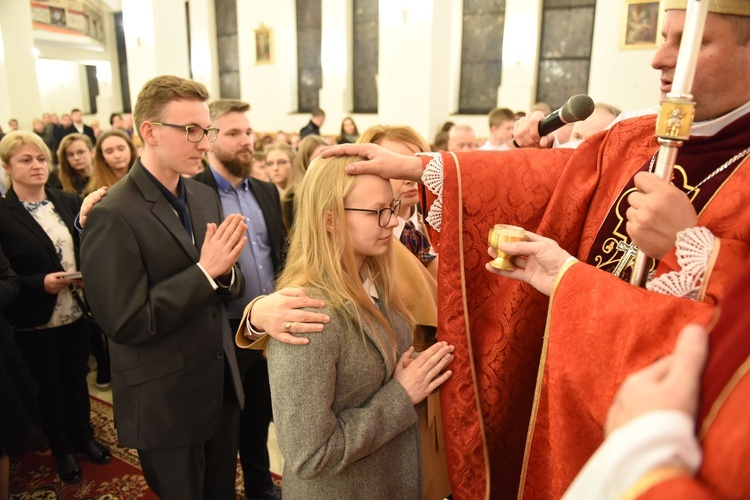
<point x="164" y="212"/>
<point x="19" y="212"/>
<point x="380" y="338"/>
<point x="372" y="329"/>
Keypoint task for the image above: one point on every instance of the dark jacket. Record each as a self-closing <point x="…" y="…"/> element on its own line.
<point x="168" y="328"/>
<point x="86" y="131"/>
<point x="8" y="295"/>
<point x="309" y="129"/>
<point x="32" y="254"/>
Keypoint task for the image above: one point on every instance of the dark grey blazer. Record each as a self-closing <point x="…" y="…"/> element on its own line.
<point x="168" y="328"/>
<point x="345" y="427"/>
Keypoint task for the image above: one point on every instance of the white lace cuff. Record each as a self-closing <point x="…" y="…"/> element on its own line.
<point x="432" y="178"/>
<point x="693" y="250"/>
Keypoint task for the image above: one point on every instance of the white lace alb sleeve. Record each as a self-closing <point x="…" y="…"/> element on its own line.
<point x="693" y="251"/>
<point x="432" y="178"/>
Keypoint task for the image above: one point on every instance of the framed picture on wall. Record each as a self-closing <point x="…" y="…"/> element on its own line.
<point x="641" y="23"/>
<point x="263" y="45"/>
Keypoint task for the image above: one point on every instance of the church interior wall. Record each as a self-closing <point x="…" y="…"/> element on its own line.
<point x="419" y="62"/>
<point x="621" y="77"/>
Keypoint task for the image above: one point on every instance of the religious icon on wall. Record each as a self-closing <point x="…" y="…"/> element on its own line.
<point x="263" y="45"/>
<point x="57" y="16"/>
<point x="640" y="24"/>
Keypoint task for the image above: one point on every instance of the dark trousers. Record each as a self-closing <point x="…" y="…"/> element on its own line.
<point x="203" y="470"/>
<point x="58" y="361"/>
<point x="100" y="351"/>
<point x="255" y="418"/>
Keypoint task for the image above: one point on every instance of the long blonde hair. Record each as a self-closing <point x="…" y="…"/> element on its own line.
<point x="321" y="256"/>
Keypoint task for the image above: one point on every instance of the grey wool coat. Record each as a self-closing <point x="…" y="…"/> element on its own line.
<point x="345" y="427"/>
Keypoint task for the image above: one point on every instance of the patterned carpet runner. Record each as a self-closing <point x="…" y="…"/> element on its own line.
<point x="34" y="476"/>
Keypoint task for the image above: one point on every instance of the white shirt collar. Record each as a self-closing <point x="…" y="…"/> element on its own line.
<point x="712" y="127"/>
<point x="705" y="128"/>
<point x="369" y="285"/>
<point x="400" y="228"/>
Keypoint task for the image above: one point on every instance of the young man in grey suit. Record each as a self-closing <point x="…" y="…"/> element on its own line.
<point x="157" y="272"/>
<point x="230" y="162"/>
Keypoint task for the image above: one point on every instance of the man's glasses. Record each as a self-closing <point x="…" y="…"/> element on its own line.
<point x="194" y="133"/>
<point x="384" y="214"/>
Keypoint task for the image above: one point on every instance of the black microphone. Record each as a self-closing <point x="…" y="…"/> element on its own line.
<point x="579" y="107"/>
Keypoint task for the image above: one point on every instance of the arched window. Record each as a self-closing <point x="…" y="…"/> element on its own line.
<point x="565" y="54"/>
<point x="481" y="55"/>
<point x="309" y="67"/>
<point x="365" y="56"/>
<point x="228" y="48"/>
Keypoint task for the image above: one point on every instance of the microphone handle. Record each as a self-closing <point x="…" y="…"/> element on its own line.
<point x="551" y="122"/>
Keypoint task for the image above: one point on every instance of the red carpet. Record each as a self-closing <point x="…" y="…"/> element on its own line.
<point x="34" y="475"/>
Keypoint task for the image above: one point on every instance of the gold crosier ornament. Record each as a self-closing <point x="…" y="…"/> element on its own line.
<point x="677" y="110"/>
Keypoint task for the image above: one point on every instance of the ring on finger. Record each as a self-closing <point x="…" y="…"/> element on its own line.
<point x="288" y="327"/>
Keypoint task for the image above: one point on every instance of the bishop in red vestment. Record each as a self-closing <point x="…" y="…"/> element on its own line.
<point x="534" y="377"/>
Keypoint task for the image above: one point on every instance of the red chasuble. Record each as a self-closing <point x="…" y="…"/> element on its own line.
<point x="724" y="427"/>
<point x="504" y="431"/>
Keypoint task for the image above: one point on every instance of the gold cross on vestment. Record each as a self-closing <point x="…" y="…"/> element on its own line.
<point x="627" y="258"/>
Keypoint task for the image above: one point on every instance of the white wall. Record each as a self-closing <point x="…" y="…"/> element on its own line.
<point x="45" y="71"/>
<point x="204" y="60"/>
<point x="61" y="85"/>
<point x="271" y="89"/>
<point x="156" y="41"/>
<point x="520" y="53"/>
<point x="61" y="73"/>
<point x="407" y="57"/>
<point x="623" y="78"/>
<point x="19" y="95"/>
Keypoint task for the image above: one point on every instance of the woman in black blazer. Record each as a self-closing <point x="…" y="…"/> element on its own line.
<point x="38" y="237"/>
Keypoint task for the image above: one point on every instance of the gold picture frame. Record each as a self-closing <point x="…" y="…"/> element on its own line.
<point x="641" y="22"/>
<point x="263" y="45"/>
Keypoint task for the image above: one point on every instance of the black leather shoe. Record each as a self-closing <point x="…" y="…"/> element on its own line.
<point x="97" y="453"/>
<point x="68" y="469"/>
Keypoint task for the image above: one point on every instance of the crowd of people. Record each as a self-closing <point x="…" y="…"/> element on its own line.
<point x="240" y="280"/>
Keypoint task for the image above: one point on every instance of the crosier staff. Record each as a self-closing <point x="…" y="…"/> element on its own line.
<point x="677" y="110"/>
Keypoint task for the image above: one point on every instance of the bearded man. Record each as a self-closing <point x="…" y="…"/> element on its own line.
<point x="229" y="165"/>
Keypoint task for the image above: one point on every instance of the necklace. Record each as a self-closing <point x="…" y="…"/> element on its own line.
<point x="630" y="249"/>
<point x="710" y="176"/>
